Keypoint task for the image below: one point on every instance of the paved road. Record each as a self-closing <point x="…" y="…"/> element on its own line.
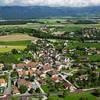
<point x="8" y="90"/>
<point x="67" y="81"/>
<point x="90" y="89"/>
<point x="38" y="84"/>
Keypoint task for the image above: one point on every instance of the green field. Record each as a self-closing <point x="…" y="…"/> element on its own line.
<point x="78" y="96"/>
<point x="76" y="27"/>
<point x="15" y="43"/>
<point x="94" y="58"/>
<point x="8" y="46"/>
<point x="52" y="22"/>
<point x="83" y="45"/>
<point x="31" y="25"/>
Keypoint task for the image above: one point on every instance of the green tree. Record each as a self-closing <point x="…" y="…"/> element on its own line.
<point x="23" y="89"/>
<point x="83" y="98"/>
<point x="14" y="51"/>
<point x="14" y="74"/>
<point x="31" y="91"/>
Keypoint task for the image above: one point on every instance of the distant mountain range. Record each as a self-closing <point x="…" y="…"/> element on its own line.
<point x="30" y="12"/>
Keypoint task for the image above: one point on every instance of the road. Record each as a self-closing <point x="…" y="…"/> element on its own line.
<point x="68" y="81"/>
<point x="90" y="89"/>
<point x="8" y="90"/>
<point x="38" y="84"/>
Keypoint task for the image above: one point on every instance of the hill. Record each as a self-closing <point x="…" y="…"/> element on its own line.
<point x="29" y="12"/>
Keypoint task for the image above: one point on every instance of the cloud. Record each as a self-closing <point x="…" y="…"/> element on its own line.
<point x="71" y="3"/>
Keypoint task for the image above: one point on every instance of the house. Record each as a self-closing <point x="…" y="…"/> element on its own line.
<point x="20" y="66"/>
<point x="24" y="82"/>
<point x="1" y="66"/>
<point x="24" y="69"/>
<point x="46" y="68"/>
<point x="69" y="87"/>
<point x="20" y="72"/>
<point x="59" y="68"/>
<point x="43" y="75"/>
<point x="15" y="90"/>
<point x="3" y="83"/>
<point x="26" y="61"/>
<point x="34" y="85"/>
<point x="32" y="64"/>
<point x="83" y="77"/>
<point x="28" y="65"/>
<point x="55" y="78"/>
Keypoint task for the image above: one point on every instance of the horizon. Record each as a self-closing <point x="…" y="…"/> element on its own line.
<point x="54" y="3"/>
<point x="49" y="6"/>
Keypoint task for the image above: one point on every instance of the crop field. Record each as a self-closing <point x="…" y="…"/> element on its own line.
<point x="28" y="25"/>
<point x="6" y="46"/>
<point x="17" y="41"/>
<point x="16" y="37"/>
<point x="9" y="48"/>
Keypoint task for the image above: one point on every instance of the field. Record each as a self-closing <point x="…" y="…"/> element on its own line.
<point x="53" y="22"/>
<point x="9" y="48"/>
<point x="76" y="44"/>
<point x="78" y="96"/>
<point x="28" y="25"/>
<point x="76" y="27"/>
<point x="16" y="37"/>
<point x="69" y="27"/>
<point x="17" y="41"/>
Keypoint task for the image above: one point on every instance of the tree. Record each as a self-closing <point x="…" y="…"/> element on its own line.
<point x="23" y="89"/>
<point x="83" y="98"/>
<point x="32" y="78"/>
<point x="96" y="93"/>
<point x="32" y="47"/>
<point x="65" y="92"/>
<point x="14" y="51"/>
<point x="37" y="90"/>
<point x="14" y="74"/>
<point x="7" y="67"/>
<point x="31" y="91"/>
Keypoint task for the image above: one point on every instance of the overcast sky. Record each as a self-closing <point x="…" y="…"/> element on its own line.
<point x="71" y="3"/>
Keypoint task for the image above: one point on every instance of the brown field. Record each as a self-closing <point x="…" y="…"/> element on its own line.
<point x="16" y="37"/>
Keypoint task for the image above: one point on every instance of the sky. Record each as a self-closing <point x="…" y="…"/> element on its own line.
<point x="67" y="3"/>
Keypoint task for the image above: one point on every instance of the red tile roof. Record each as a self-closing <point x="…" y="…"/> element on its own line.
<point x="30" y="64"/>
<point x="24" y="82"/>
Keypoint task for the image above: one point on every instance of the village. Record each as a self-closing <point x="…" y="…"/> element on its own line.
<point x="52" y="69"/>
